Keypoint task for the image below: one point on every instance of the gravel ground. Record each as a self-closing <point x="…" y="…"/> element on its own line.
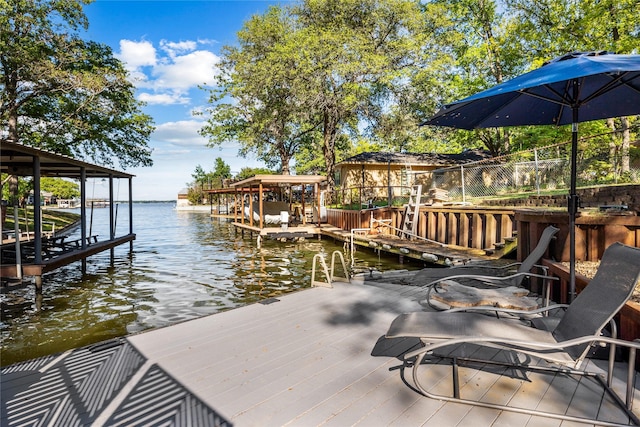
<point x="586" y="268"/>
<point x="589" y="268"/>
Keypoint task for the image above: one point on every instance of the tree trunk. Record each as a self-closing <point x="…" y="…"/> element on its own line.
<point x="329" y="150"/>
<point x="626" y="142"/>
<point x="494" y="141"/>
<point x="613" y="146"/>
<point x="11" y="89"/>
<point x="284" y="165"/>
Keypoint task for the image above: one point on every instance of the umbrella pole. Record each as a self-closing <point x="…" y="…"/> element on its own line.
<point x="573" y="198"/>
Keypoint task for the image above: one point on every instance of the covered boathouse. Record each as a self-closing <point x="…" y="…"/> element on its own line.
<point x="268" y="205"/>
<point x="47" y="254"/>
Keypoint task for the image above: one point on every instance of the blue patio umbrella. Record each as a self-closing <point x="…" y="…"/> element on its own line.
<point x="577" y="87"/>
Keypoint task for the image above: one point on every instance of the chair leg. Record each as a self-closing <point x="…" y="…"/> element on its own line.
<point x="631" y="375"/>
<point x="456" y="382"/>
<point x="421" y="359"/>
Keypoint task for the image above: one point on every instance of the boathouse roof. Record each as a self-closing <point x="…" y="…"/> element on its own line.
<point x="279" y="179"/>
<point x="423" y="159"/>
<point x="22" y="160"/>
<point x="18" y="159"/>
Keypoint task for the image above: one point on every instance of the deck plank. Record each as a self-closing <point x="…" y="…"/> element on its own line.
<point x="319" y="357"/>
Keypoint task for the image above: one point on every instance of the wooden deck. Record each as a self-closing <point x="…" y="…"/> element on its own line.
<point x="56" y="258"/>
<point x="315" y="357"/>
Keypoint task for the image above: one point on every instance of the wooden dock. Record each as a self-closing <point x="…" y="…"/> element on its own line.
<point x="314" y="357"/>
<point x="430" y="252"/>
<point x="52" y="259"/>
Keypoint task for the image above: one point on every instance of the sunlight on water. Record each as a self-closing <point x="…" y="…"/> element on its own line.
<point x="184" y="265"/>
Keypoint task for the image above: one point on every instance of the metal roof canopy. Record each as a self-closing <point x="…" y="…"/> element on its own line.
<point x="21" y="160"/>
<point x="271" y="181"/>
<point x="279" y="180"/>
<point x="17" y="159"/>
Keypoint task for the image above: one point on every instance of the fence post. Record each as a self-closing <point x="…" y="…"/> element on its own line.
<point x="464" y="199"/>
<point x="535" y="158"/>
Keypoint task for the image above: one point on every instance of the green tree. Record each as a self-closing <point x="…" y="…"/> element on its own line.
<point x="20" y="186"/>
<point x="60" y="188"/>
<point x="253" y="102"/>
<point x="551" y="28"/>
<point x="213" y="179"/>
<point x="479" y="48"/>
<point x="355" y="60"/>
<point x="195" y="195"/>
<point x="199" y="176"/>
<point x="62" y="93"/>
<point x="221" y="170"/>
<point x="248" y="172"/>
<point x="476" y="44"/>
<point x="302" y="77"/>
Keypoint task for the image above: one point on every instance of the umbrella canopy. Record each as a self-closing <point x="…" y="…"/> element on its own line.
<point x="573" y="88"/>
<point x="607" y="85"/>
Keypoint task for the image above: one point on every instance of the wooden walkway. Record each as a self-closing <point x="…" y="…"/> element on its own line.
<point x="315" y="357"/>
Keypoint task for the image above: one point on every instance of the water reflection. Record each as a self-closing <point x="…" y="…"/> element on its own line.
<point x="183" y="266"/>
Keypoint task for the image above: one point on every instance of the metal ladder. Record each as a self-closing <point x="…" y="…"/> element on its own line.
<point x="410" y="223"/>
<point x="330" y="276"/>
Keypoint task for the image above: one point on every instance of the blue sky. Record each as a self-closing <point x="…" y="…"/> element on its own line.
<point x="170" y="47"/>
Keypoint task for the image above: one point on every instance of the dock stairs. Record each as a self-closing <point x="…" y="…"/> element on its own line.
<point x="330" y="275"/>
<point x="410" y="222"/>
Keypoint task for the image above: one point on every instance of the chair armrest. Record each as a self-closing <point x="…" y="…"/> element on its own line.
<point x="489" y="279"/>
<point x="480" y="277"/>
<point x="528" y="347"/>
<point x="488" y="267"/>
<point x="512" y="311"/>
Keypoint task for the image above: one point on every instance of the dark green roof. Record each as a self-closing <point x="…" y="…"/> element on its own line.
<point x="423" y="159"/>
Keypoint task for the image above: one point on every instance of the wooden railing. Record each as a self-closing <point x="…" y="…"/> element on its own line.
<point x="353" y="219"/>
<point x="483" y="228"/>
<point x="594" y="232"/>
<point x="470" y="227"/>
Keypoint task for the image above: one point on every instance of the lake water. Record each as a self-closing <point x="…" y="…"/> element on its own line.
<point x="184" y="265"/>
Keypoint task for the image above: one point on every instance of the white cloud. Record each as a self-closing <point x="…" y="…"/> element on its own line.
<point x="182" y="133"/>
<point x="163" y="98"/>
<point x="173" y="48"/>
<point x="137" y="54"/>
<point x="168" y="74"/>
<point x="186" y="71"/>
<point x="170" y="153"/>
<point x="207" y="41"/>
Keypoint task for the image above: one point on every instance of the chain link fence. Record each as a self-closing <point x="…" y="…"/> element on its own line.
<point x="534" y="171"/>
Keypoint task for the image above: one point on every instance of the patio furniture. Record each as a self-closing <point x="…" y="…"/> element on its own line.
<point x="492" y="276"/>
<point x="564" y="348"/>
<point x="453" y="294"/>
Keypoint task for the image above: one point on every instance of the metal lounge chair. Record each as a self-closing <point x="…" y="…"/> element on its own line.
<point x="491" y="274"/>
<point x="564" y="348"/>
<point x="495" y="276"/>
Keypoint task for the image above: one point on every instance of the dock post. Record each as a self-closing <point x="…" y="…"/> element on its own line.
<point x="38" y="283"/>
<point x="112" y="226"/>
<point x="83" y="214"/>
<point x="38" y="300"/>
<point x="130" y="214"/>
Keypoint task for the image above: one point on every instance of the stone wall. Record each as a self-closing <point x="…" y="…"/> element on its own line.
<point x="628" y="195"/>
